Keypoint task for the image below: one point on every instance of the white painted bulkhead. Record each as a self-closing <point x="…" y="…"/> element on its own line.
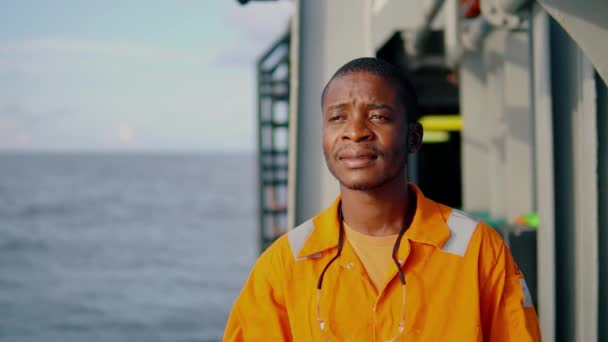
<point x="510" y="160"/>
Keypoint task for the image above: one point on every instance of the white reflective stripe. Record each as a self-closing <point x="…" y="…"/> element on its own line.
<point x="527" y="303"/>
<point x="461" y="227"/>
<point x="298" y="236"/>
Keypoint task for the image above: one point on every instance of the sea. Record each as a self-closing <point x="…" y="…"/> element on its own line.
<point x="123" y="246"/>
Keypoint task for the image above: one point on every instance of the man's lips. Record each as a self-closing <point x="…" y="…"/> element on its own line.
<point x="356" y="160"/>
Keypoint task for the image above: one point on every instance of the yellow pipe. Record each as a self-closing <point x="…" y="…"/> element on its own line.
<point x="434" y="137"/>
<point x="452" y="123"/>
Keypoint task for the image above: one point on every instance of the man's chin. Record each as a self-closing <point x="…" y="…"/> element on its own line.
<point x="361" y="186"/>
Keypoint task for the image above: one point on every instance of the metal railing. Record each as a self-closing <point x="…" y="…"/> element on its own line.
<point x="273" y="72"/>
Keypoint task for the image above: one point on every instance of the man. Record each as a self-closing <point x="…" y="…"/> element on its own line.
<point x="383" y="262"/>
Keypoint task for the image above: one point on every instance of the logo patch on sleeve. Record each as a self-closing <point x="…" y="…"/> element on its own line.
<point x="527" y="303"/>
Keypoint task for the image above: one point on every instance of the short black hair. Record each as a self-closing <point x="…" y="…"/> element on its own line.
<point x="389" y="72"/>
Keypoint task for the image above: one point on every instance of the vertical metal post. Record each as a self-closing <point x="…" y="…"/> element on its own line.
<point x="602" y="131"/>
<point x="294" y="93"/>
<point x="586" y="214"/>
<point x="544" y="167"/>
<point x="261" y="152"/>
<point x="575" y="141"/>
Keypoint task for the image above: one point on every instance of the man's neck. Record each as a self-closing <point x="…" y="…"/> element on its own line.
<point x="378" y="212"/>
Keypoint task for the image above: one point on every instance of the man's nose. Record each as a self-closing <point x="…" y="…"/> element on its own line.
<point x="357" y="130"/>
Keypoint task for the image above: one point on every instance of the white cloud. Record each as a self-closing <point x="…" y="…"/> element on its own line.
<point x="135" y="94"/>
<point x="23" y="138"/>
<point x="125" y="134"/>
<point x="107" y="48"/>
<point x="261" y="22"/>
<point x="13" y="137"/>
<point x="20" y="114"/>
<point x="258" y="25"/>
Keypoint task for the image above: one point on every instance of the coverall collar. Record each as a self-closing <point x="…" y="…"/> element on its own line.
<point x="429" y="226"/>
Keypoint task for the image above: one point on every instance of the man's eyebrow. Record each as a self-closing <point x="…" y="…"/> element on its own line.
<point x="379" y="106"/>
<point x="336" y="107"/>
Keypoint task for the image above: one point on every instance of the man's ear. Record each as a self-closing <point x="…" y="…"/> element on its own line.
<point x="414" y="137"/>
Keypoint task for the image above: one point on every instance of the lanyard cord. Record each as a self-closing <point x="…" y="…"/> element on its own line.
<point x="408" y="222"/>
<point x="340" y="244"/>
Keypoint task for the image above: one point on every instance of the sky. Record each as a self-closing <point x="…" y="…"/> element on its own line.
<point x="175" y="75"/>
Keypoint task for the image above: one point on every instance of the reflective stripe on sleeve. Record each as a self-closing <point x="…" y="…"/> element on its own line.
<point x="298" y="236"/>
<point x="461" y="227"/>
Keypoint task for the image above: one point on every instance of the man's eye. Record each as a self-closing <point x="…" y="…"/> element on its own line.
<point x="336" y="118"/>
<point x="378" y="117"/>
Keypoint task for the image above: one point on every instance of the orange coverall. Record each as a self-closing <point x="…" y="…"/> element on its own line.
<point x="461" y="285"/>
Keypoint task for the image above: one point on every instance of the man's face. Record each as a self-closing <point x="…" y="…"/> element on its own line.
<point x="364" y="131"/>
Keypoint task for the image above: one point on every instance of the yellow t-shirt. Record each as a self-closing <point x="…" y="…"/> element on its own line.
<point x="375" y="253"/>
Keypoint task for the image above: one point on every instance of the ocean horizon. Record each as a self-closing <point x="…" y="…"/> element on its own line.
<point x="123" y="245"/>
